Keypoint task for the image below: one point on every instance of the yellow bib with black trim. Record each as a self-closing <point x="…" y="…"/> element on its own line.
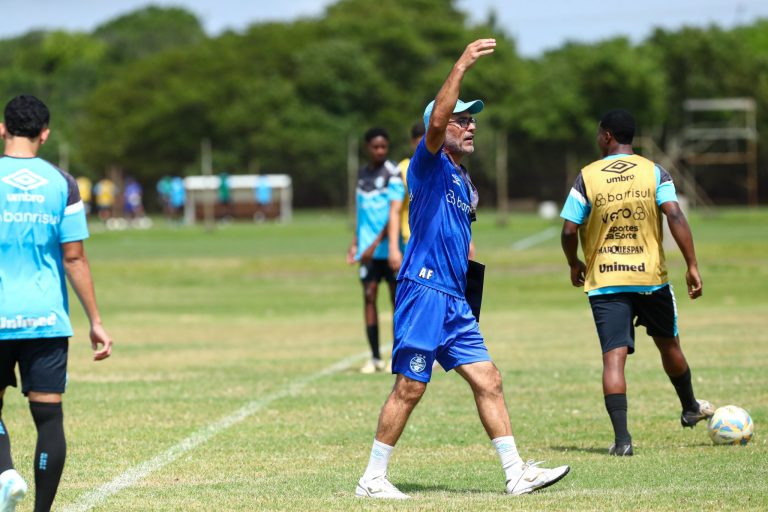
<point x="622" y="237"/>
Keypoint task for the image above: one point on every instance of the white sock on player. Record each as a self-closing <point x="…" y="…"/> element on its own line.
<point x="377" y="464"/>
<point x="510" y="459"/>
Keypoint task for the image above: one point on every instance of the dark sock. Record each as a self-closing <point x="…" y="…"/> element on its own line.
<point x="684" y="389"/>
<point x="373" y="339"/>
<point x="6" y="462"/>
<point x="616" y="405"/>
<point x="50" y="452"/>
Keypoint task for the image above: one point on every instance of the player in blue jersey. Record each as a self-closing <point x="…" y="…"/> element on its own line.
<point x="432" y="318"/>
<point x="42" y="228"/>
<point x="378" y="183"/>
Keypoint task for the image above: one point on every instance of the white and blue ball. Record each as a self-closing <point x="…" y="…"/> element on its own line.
<point x="730" y="425"/>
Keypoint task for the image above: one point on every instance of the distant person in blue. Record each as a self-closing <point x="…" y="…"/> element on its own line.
<point x="178" y="195"/>
<point x="432" y="318"/>
<point x="42" y="229"/>
<point x="133" y="202"/>
<point x="378" y="182"/>
<point x="164" y="195"/>
<point x="263" y="191"/>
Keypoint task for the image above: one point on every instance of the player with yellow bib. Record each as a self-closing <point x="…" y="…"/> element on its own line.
<point x="615" y="208"/>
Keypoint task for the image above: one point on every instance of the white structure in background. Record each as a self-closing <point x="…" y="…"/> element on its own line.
<point x="243" y="191"/>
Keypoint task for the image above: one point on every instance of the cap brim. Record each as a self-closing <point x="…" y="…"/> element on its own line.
<point x="473" y="107"/>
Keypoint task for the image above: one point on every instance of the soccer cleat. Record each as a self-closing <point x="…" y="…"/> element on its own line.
<point x="691" y="418"/>
<point x="379" y="487"/>
<point x="621" y="450"/>
<point x="373" y="366"/>
<point x="532" y="478"/>
<point x="13" y="488"/>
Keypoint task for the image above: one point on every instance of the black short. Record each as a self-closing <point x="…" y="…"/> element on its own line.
<point x="377" y="270"/>
<point x="42" y="364"/>
<point x="614" y="312"/>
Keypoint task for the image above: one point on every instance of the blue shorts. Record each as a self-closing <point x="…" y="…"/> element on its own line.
<point x="431" y="325"/>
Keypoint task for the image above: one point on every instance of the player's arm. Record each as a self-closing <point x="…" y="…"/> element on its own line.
<point x="681" y="232"/>
<point x="449" y="92"/>
<point x="352" y="251"/>
<point x="79" y="275"/>
<point x="575" y="212"/>
<point x="471" y="254"/>
<point x="569" y="240"/>
<point x="367" y="255"/>
<point x="395" y="255"/>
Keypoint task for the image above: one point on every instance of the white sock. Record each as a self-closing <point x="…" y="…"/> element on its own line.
<point x="377" y="464"/>
<point x="510" y="459"/>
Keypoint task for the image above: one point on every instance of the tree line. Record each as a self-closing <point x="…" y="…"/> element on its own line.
<point x="141" y="91"/>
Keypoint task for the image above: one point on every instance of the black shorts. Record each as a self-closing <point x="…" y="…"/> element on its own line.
<point x="42" y="364"/>
<point x="377" y="270"/>
<point x="614" y="313"/>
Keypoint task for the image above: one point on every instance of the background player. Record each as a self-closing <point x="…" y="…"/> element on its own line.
<point x="615" y="205"/>
<point x="378" y="183"/>
<point x="41" y="235"/>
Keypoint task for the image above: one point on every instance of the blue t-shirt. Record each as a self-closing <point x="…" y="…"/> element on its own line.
<point x="577" y="209"/>
<point x="40" y="210"/>
<point x="440" y="216"/>
<point x="375" y="189"/>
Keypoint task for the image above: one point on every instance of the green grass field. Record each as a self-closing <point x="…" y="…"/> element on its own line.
<point x="250" y="315"/>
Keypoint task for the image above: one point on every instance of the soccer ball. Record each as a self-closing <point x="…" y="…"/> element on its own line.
<point x="730" y="425"/>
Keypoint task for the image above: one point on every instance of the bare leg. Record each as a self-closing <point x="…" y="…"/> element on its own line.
<point x="672" y="357"/>
<point x="392" y="290"/>
<point x="676" y="368"/>
<point x="485" y="380"/>
<point x="370" y="294"/>
<point x="613" y="371"/>
<point x="397" y="409"/>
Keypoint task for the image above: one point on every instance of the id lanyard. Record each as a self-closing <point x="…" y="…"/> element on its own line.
<point x="474" y="196"/>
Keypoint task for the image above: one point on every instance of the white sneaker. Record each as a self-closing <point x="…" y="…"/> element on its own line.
<point x="379" y="487"/>
<point x="13" y="488"/>
<point x="373" y="366"/>
<point x="533" y="478"/>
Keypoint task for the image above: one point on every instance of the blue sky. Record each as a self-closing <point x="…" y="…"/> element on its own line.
<point x="537" y="26"/>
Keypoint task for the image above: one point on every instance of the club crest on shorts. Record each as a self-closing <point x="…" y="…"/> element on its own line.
<point x="418" y="363"/>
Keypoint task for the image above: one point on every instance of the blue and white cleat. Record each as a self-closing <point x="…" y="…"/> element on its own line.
<point x="13" y="488"/>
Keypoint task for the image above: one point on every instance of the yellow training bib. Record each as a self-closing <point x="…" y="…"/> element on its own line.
<point x="622" y="237"/>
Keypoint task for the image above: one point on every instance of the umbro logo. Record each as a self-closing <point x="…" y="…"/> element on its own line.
<point x="619" y="166"/>
<point x="25" y="179"/>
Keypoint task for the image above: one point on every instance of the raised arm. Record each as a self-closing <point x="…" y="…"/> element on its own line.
<point x="449" y="92"/>
<point x="681" y="232"/>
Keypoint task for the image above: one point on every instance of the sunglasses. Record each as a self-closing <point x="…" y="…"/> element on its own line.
<point x="464" y="122"/>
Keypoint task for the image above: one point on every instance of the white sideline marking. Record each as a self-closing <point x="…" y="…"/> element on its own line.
<point x="137" y="473"/>
<point x="527" y="243"/>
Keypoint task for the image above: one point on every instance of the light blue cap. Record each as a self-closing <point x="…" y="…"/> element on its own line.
<point x="473" y="107"/>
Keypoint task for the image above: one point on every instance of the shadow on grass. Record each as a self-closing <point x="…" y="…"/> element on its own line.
<point x="411" y="488"/>
<point x="602" y="451"/>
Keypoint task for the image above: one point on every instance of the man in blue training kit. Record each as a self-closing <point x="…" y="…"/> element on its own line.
<point x="432" y="318"/>
<point x="42" y="228"/>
